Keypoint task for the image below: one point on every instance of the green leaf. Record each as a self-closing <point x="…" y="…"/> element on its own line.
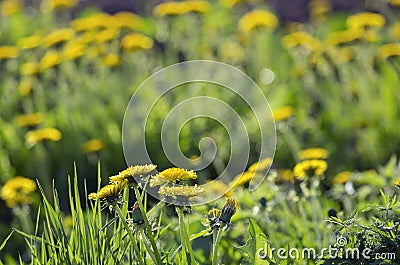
<point x="257" y="249"/>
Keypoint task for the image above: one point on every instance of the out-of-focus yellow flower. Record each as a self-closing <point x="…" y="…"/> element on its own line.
<point x="109" y="192"/>
<point x="394" y="2"/>
<point x="179" y="8"/>
<point x="345" y="36"/>
<point x="49" y="60"/>
<point x="9" y="7"/>
<point x="172" y="175"/>
<point x="128" y="20"/>
<point x="395" y="30"/>
<point x="283" y="113"/>
<point x="313" y="153"/>
<point x="58" y="36"/>
<point x="229" y="3"/>
<point x="136" y="41"/>
<point x="18" y="191"/>
<point x="29" y="68"/>
<point x="111" y="60"/>
<point x="319" y="9"/>
<point x="389" y="50"/>
<point x="131" y="172"/>
<point x="307" y="168"/>
<point x="302" y="39"/>
<point x="342" y="177"/>
<point x="284" y="175"/>
<point x="366" y="19"/>
<point x="92" y="146"/>
<point x="25" y="86"/>
<point x="232" y="52"/>
<point x="397" y="183"/>
<point x="181" y="191"/>
<point x="40" y="135"/>
<point x="8" y="52"/>
<point x="256" y="19"/>
<point x="86" y="37"/>
<point x="74" y="50"/>
<point x="243" y="178"/>
<point x="340" y="54"/>
<point x="29" y="42"/>
<point x="218" y="187"/>
<point x="106" y="35"/>
<point x="261" y="165"/>
<point x="28" y="120"/>
<point x="48" y="5"/>
<point x="93" y="22"/>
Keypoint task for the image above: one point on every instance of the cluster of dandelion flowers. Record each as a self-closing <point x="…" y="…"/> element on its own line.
<point x="173" y="175"/>
<point x="130" y="173"/>
<point x="18" y="191"/>
<point x="308" y="168"/>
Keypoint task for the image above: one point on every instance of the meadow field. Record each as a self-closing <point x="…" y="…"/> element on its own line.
<point x="311" y="177"/>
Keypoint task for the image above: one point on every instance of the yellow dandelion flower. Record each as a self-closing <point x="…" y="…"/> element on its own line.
<point x="25" y="86"/>
<point x="301" y="39"/>
<point x="29" y="42"/>
<point x="8" y="52"/>
<point x="49" y="60"/>
<point x="366" y="19"/>
<point x="182" y="191"/>
<point x="313" y="167"/>
<point x="313" y="153"/>
<point x="319" y="8"/>
<point x="18" y="191"/>
<point x="394" y="2"/>
<point x="213" y="214"/>
<point x="218" y="187"/>
<point x="74" y="50"/>
<point x="40" y="135"/>
<point x="92" y="146"/>
<point x="108" y="192"/>
<point x="111" y="60"/>
<point x="284" y="175"/>
<point x="229" y="3"/>
<point x="28" y="120"/>
<point x="93" y="22"/>
<point x="261" y="165"/>
<point x="179" y="8"/>
<point x="128" y="20"/>
<point x="58" y="36"/>
<point x="244" y="178"/>
<point x="131" y="172"/>
<point x="55" y="4"/>
<point x="9" y="7"/>
<point x="283" y="113"/>
<point x="395" y="30"/>
<point x="256" y="19"/>
<point x="345" y="36"/>
<point x="342" y="177"/>
<point x="172" y="175"/>
<point x="106" y="35"/>
<point x="29" y="68"/>
<point x="389" y="50"/>
<point x="397" y="183"/>
<point x="136" y="41"/>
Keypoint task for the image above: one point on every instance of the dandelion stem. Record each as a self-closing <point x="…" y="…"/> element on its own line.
<point x="147" y="225"/>
<point x="133" y="241"/>
<point x="217" y="231"/>
<point x="147" y="246"/>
